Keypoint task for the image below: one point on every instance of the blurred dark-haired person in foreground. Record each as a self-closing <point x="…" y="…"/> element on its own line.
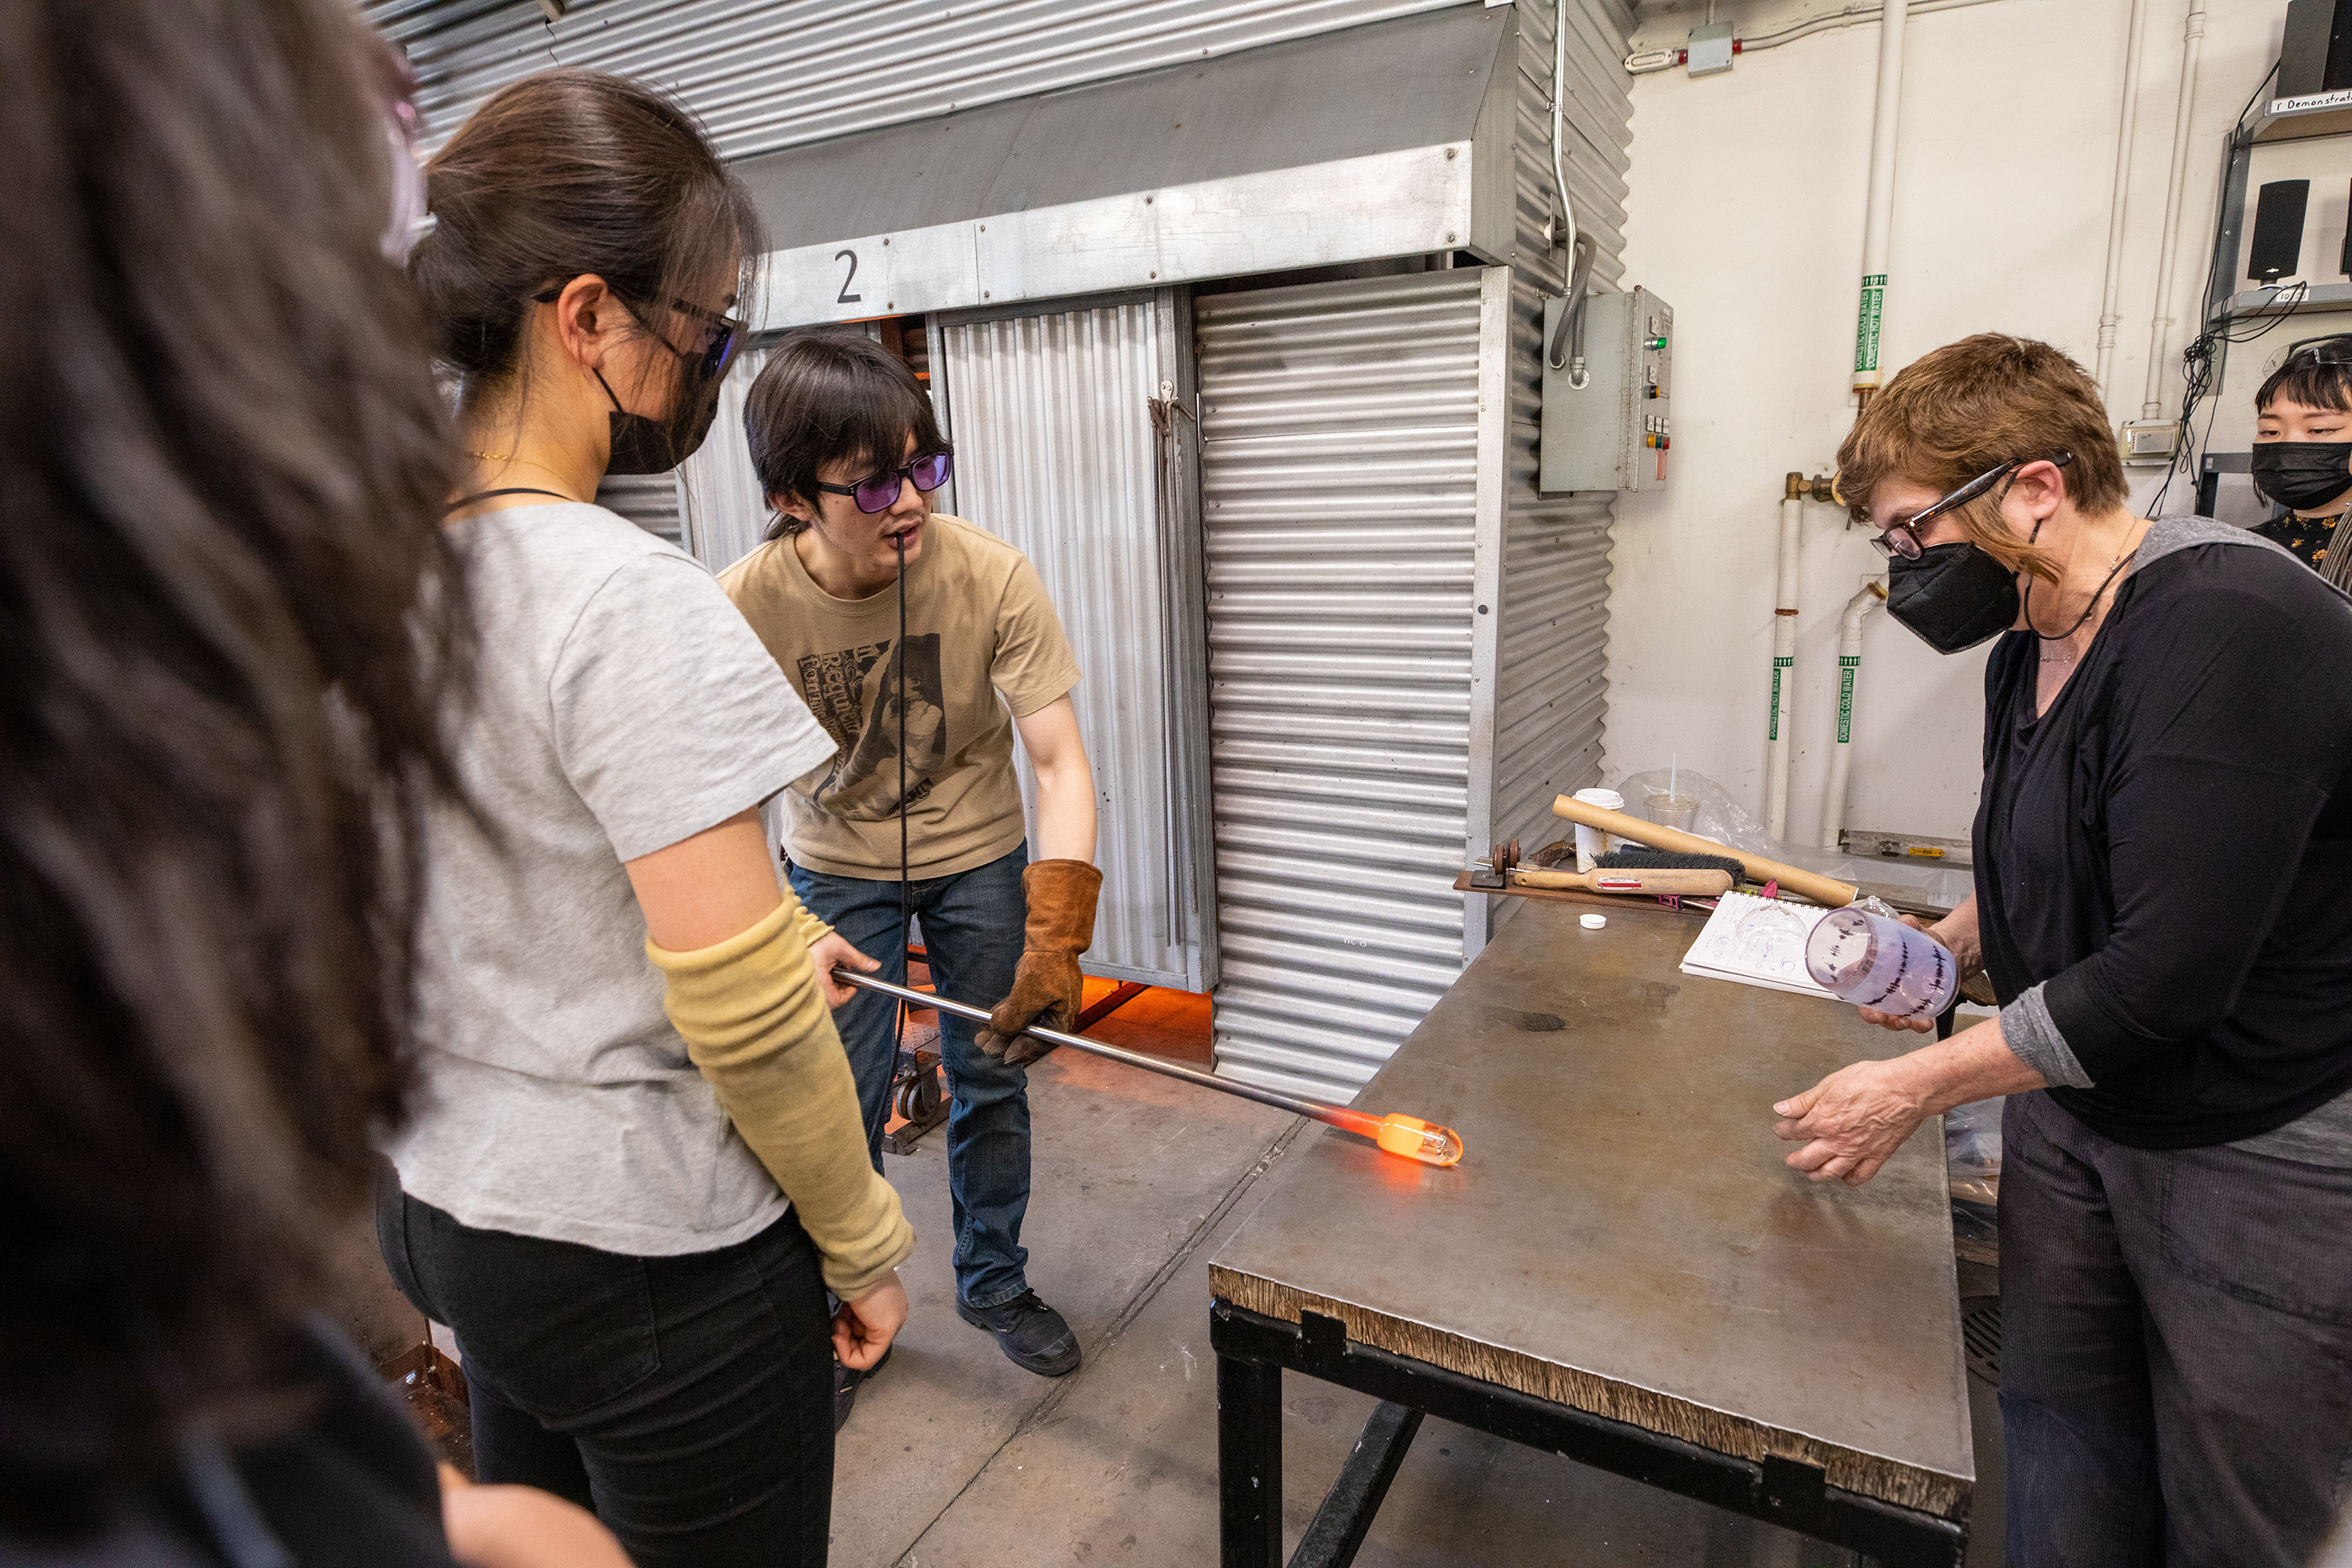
<point x="230" y="625"/>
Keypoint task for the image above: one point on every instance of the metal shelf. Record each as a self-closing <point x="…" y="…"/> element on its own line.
<point x="2319" y="297"/>
<point x="2293" y="119"/>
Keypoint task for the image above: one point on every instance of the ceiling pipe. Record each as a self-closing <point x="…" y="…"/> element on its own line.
<point x="2111" y="292"/>
<point x="2193" y="50"/>
<point x="1878" y="222"/>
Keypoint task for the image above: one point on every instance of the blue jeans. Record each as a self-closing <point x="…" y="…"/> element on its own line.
<point x="973" y="933"/>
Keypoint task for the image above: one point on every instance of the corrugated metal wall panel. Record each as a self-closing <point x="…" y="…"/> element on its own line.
<point x="1055" y="452"/>
<point x="648" y="500"/>
<point x="1553" y="659"/>
<point x="1339" y="425"/>
<point x="768" y="74"/>
<point x="727" y="515"/>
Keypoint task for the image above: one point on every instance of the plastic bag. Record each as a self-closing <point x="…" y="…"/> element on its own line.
<point x="1726" y="821"/>
<point x="1973" y="1150"/>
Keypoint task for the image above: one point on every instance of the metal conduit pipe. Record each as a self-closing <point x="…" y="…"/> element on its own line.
<point x="1878" y="222"/>
<point x="2111" y="292"/>
<point x="1872" y="593"/>
<point x="2193" y="50"/>
<point x="1784" y="657"/>
<point x="1642" y="62"/>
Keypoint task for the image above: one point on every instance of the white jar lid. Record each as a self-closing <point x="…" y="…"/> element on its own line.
<point x="1593" y="922"/>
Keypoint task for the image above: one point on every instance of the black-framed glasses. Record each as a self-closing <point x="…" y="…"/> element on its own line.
<point x="718" y="350"/>
<point x="879" y="491"/>
<point x="1903" y="539"/>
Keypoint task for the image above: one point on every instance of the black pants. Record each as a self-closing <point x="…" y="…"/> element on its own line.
<point x="2176" y="1357"/>
<point x="687" y="1400"/>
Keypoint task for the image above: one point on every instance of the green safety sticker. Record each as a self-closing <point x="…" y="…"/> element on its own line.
<point x="1865" y="332"/>
<point x="1778" y="665"/>
<point x="1847" y="662"/>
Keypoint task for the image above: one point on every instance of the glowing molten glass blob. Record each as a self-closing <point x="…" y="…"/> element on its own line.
<point x="1418" y="1140"/>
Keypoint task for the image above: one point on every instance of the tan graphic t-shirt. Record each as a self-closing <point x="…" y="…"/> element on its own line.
<point x="983" y="648"/>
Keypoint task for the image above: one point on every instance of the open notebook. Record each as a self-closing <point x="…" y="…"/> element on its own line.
<point x="1758" y="942"/>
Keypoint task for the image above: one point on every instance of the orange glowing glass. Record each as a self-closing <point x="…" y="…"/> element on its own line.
<point x="1398" y="1133"/>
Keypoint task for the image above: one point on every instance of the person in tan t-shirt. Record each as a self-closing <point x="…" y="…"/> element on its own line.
<point x="922" y="784"/>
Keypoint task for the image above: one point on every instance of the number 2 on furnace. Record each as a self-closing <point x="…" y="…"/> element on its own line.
<point x="846" y="296"/>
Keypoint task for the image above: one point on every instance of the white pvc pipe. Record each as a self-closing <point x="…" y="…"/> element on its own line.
<point x="1878" y="220"/>
<point x="2193" y="50"/>
<point x="1872" y="592"/>
<point x="1784" y="662"/>
<point x="2110" y="294"/>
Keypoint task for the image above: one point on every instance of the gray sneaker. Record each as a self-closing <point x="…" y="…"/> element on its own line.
<point x="1031" y="1333"/>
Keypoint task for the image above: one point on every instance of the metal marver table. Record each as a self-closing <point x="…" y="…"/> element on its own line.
<point x="1621" y="1269"/>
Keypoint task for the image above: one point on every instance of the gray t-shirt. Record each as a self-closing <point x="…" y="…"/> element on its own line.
<point x="623" y="706"/>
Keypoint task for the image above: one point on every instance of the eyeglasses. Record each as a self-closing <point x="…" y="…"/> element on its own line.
<point x="2335" y="349"/>
<point x="879" y="491"/>
<point x="719" y="346"/>
<point x="1903" y="539"/>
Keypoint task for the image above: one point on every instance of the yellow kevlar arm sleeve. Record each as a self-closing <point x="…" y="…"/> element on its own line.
<point x="810" y="929"/>
<point x="755" y="1022"/>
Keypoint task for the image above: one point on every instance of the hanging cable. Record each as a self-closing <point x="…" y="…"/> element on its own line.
<point x="906" y="888"/>
<point x="2196" y="359"/>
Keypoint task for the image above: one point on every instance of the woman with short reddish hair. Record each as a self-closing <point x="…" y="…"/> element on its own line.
<point x="2163" y="844"/>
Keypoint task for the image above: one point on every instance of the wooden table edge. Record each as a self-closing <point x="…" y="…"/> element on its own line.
<point x="1867" y="1474"/>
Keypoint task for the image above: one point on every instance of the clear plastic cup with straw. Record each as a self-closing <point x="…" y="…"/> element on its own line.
<point x="1669" y="808"/>
<point x="1875" y="962"/>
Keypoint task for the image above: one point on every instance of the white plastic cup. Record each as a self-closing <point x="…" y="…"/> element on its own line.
<point x="1875" y="962"/>
<point x="1591" y="843"/>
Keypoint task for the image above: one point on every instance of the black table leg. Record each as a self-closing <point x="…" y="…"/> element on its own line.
<point x="1249" y="1462"/>
<point x="1354" y="1500"/>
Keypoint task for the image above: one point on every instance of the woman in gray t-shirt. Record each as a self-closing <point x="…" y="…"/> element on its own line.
<point x="638" y="1165"/>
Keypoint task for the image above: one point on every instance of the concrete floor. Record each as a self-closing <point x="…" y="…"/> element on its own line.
<point x="955" y="1456"/>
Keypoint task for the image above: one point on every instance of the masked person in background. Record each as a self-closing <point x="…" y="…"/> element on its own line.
<point x="848" y="453"/>
<point x="2303" y="454"/>
<point x="232" y="623"/>
<point x="2163" y="842"/>
<point x="638" y="1167"/>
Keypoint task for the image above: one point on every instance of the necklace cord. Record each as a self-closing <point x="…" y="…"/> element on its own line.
<point x="2096" y="595"/>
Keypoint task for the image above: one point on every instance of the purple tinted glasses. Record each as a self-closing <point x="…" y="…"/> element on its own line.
<point x="879" y="491"/>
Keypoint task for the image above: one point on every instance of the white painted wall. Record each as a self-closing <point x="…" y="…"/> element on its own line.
<point x="1747" y="217"/>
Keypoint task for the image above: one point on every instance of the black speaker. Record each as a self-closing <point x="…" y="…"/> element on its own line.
<point x="2277" y="246"/>
<point x="2315" y="54"/>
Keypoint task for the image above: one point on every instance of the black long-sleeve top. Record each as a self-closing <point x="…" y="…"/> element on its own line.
<point x="2166" y="854"/>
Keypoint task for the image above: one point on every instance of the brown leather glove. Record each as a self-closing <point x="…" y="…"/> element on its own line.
<point x="1047" y="985"/>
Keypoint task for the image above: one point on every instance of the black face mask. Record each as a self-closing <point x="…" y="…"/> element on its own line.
<point x="642" y="446"/>
<point x="2301" y="475"/>
<point x="1953" y="597"/>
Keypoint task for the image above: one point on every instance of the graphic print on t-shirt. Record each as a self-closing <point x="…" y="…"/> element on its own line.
<point x="854" y="693"/>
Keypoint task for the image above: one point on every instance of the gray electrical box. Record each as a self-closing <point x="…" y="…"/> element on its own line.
<point x="1613" y="432"/>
